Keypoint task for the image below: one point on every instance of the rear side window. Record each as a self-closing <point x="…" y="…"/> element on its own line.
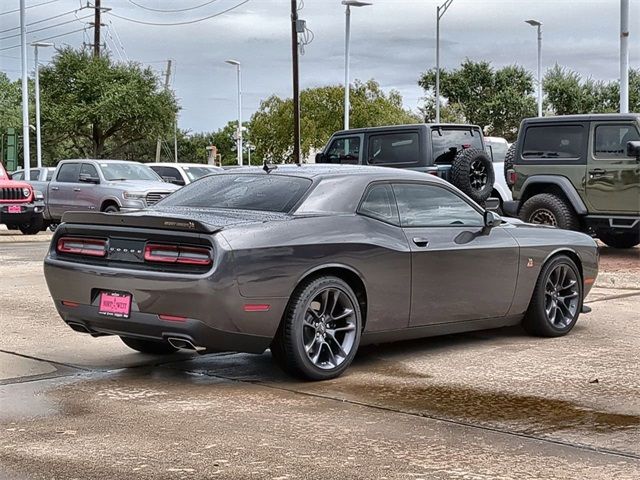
<point x="268" y="193"/>
<point x="69" y="173"/>
<point x="554" y="142"/>
<point x="15" y="176"/>
<point x="447" y="142"/>
<point x="167" y="173"/>
<point x="344" y="150"/>
<point x="394" y="148"/>
<point x="379" y="202"/>
<point x="50" y="174"/>
<point x="611" y="140"/>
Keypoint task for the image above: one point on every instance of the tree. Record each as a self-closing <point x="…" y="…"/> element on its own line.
<point x="476" y="93"/>
<point x="96" y="107"/>
<point x="322" y="113"/>
<point x="10" y="108"/>
<point x="568" y="93"/>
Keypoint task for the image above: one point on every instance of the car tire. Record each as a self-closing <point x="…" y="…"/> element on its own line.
<point x="320" y="331"/>
<point x="549" y="209"/>
<point x="508" y="163"/>
<point x="557" y="299"/>
<point x="620" y="240"/>
<point x="472" y="172"/>
<point x="34" y="227"/>
<point x="149" y="346"/>
<point x="111" y="209"/>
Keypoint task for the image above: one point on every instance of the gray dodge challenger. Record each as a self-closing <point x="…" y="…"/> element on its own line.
<point x="312" y="262"/>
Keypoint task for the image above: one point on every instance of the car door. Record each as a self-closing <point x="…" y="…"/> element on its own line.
<point x="613" y="180"/>
<point x="61" y="194"/>
<point x="84" y="192"/>
<point x="461" y="270"/>
<point x="344" y="150"/>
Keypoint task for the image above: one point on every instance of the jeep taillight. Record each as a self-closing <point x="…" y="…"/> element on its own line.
<point x="512" y="177"/>
<point x="181" y="254"/>
<point x="92" y="247"/>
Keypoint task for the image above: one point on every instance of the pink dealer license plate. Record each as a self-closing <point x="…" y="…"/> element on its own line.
<point x="114" y="304"/>
<point x="14" y="209"/>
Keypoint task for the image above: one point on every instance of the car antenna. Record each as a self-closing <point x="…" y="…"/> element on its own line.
<point x="267" y="168"/>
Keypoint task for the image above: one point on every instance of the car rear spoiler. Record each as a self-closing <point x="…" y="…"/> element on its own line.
<point x="140" y="220"/>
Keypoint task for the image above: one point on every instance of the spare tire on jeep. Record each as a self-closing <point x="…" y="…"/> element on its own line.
<point x="508" y="163"/>
<point x="472" y="172"/>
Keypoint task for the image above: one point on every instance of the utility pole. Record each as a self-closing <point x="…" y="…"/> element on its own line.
<point x="296" y="82"/>
<point x="440" y="11"/>
<point x="624" y="56"/>
<point x="96" y="28"/>
<point x="25" y="92"/>
<point x="167" y="77"/>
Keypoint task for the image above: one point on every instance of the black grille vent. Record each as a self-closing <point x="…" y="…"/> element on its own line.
<point x="12" y="193"/>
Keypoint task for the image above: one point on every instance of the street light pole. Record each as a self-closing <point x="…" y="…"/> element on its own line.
<point x="624" y="56"/>
<point x="535" y="23"/>
<point x="25" y="92"/>
<point x="347" y="46"/>
<point x="37" y="92"/>
<point x="239" y="131"/>
<point x="440" y="11"/>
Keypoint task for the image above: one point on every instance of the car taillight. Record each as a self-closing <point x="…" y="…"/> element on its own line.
<point x="177" y="254"/>
<point x="92" y="247"/>
<point x="512" y="177"/>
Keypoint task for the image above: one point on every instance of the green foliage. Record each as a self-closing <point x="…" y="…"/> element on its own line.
<point x="476" y="93"/>
<point x="95" y="107"/>
<point x="322" y="113"/>
<point x="567" y="93"/>
<point x="10" y="107"/>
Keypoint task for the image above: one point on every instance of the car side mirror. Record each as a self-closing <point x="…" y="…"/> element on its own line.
<point x="492" y="204"/>
<point x="86" y="178"/>
<point x="633" y="149"/>
<point x="492" y="219"/>
<point x="177" y="181"/>
<point x="320" y="158"/>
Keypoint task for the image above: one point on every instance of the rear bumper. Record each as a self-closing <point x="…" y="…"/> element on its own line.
<point x="510" y="208"/>
<point x="214" y="314"/>
<point x="28" y="211"/>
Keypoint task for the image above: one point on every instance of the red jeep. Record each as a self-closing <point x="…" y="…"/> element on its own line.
<point x="20" y="207"/>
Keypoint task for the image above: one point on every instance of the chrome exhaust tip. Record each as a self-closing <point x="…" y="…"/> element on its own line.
<point x="184" y="344"/>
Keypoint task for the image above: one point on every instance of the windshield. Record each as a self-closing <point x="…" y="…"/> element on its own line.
<point x="195" y="173"/>
<point x="498" y="150"/>
<point x="128" y="171"/>
<point x="262" y="192"/>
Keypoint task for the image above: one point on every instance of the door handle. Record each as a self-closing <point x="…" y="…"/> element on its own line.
<point x="55" y="188"/>
<point x="420" y="242"/>
<point x="76" y="189"/>
<point x="597" y="172"/>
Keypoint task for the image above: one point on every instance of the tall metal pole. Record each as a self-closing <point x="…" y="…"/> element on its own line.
<point x="240" y="153"/>
<point x="539" y="70"/>
<point x="624" y="56"/>
<point x="296" y="82"/>
<point x="25" y="93"/>
<point x="167" y="78"/>
<point x="175" y="139"/>
<point x="347" y="38"/>
<point x="96" y="28"/>
<point x="440" y="11"/>
<point x="37" y="88"/>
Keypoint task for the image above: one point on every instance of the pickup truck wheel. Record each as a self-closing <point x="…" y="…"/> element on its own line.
<point x="472" y="172"/>
<point x="620" y="240"/>
<point x="111" y="209"/>
<point x="34" y="227"/>
<point x="149" y="346"/>
<point x="549" y="209"/>
<point x="508" y="163"/>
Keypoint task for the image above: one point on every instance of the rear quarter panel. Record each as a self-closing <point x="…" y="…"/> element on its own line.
<point x="271" y="259"/>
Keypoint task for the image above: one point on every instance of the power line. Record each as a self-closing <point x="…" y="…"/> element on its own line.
<point x="172" y="11"/>
<point x="42" y="21"/>
<point x="179" y="23"/>
<point x="47" y="27"/>
<point x="47" y="38"/>
<point x="30" y="6"/>
<point x="112" y="28"/>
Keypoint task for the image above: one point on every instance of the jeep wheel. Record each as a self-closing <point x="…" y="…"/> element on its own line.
<point x="620" y="240"/>
<point x="33" y="227"/>
<point x="508" y="163"/>
<point x="472" y="172"/>
<point x="549" y="209"/>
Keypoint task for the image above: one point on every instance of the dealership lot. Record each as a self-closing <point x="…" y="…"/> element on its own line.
<point x="491" y="404"/>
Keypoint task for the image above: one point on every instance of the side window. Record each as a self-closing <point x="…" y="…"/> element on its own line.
<point x="379" y="203"/>
<point x="344" y="150"/>
<point x="423" y="205"/>
<point x="69" y="173"/>
<point x="394" y="148"/>
<point x="553" y="142"/>
<point x="611" y="140"/>
<point x="171" y="174"/>
<point x="34" y="174"/>
<point x="17" y="175"/>
<point x="88" y="170"/>
<point x="50" y="174"/>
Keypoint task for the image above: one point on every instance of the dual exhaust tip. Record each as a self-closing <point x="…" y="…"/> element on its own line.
<point x="184" y="344"/>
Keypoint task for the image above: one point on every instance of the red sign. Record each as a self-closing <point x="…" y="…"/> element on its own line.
<point x="113" y="304"/>
<point x="14" y="209"/>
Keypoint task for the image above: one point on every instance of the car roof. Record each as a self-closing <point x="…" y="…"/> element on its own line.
<point x="585" y="117"/>
<point x="98" y="160"/>
<point x="182" y="164"/>
<point x="404" y="127"/>
<point x="317" y="171"/>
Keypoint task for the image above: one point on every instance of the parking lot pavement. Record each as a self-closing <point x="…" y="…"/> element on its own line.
<point x="485" y="405"/>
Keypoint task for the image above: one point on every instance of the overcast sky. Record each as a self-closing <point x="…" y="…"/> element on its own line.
<point x="392" y="42"/>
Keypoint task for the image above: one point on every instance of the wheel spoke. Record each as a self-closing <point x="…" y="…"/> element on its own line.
<point x="344" y="314"/>
<point x="336" y="297"/>
<point x="324" y="303"/>
<point x="316" y="356"/>
<point x="331" y="335"/>
<point x="332" y="357"/>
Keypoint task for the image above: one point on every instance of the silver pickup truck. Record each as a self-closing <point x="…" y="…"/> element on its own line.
<point x="102" y="186"/>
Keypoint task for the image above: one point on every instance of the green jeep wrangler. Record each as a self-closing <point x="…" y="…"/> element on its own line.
<point x="579" y="172"/>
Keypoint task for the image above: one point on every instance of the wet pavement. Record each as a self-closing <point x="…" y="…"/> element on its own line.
<point x="486" y="405"/>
